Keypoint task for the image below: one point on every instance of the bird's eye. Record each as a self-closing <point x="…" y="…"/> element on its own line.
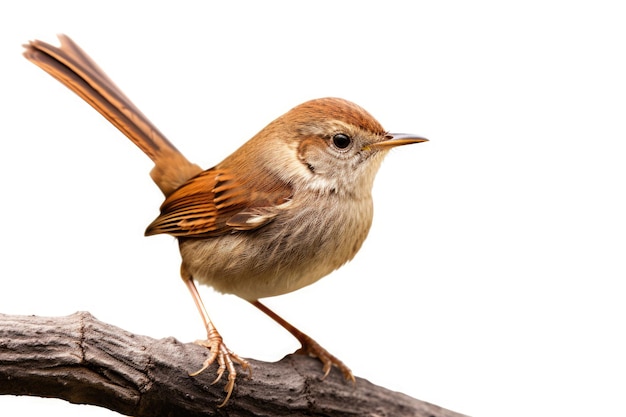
<point x="342" y="141"/>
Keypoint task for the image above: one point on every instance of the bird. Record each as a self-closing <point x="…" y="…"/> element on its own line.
<point x="288" y="207"/>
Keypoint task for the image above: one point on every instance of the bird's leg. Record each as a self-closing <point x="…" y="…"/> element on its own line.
<point x="224" y="356"/>
<point x="309" y="346"/>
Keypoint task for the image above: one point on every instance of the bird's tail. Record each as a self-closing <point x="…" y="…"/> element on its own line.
<point x="77" y="71"/>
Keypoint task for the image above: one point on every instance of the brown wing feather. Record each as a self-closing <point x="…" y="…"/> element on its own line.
<point x="214" y="203"/>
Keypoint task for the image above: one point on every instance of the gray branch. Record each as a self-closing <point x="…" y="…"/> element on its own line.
<point x="85" y="361"/>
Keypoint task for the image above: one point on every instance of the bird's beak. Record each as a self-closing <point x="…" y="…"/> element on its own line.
<point x="397" y="139"/>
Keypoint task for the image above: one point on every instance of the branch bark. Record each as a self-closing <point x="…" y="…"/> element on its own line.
<point x="85" y="361"/>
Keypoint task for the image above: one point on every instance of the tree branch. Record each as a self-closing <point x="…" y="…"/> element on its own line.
<point x="85" y="361"/>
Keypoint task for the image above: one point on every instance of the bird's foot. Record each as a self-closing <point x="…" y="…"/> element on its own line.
<point x="312" y="348"/>
<point x="226" y="359"/>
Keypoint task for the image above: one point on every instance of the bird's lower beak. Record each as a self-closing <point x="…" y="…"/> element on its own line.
<point x="398" y="139"/>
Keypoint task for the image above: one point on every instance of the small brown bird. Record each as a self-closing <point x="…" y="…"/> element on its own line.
<point x="288" y="207"/>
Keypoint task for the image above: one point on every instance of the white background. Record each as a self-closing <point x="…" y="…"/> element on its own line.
<point x="491" y="282"/>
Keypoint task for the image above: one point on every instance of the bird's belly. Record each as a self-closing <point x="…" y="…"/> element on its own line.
<point x="283" y="256"/>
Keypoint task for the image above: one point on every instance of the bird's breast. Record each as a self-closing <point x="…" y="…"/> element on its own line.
<point x="306" y="241"/>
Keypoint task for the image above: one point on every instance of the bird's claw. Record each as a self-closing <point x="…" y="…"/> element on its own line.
<point x="312" y="348"/>
<point x="226" y="359"/>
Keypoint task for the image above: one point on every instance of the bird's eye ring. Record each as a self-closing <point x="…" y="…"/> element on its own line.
<point x="341" y="140"/>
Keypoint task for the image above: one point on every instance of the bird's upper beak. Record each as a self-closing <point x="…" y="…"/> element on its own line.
<point x="397" y="139"/>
